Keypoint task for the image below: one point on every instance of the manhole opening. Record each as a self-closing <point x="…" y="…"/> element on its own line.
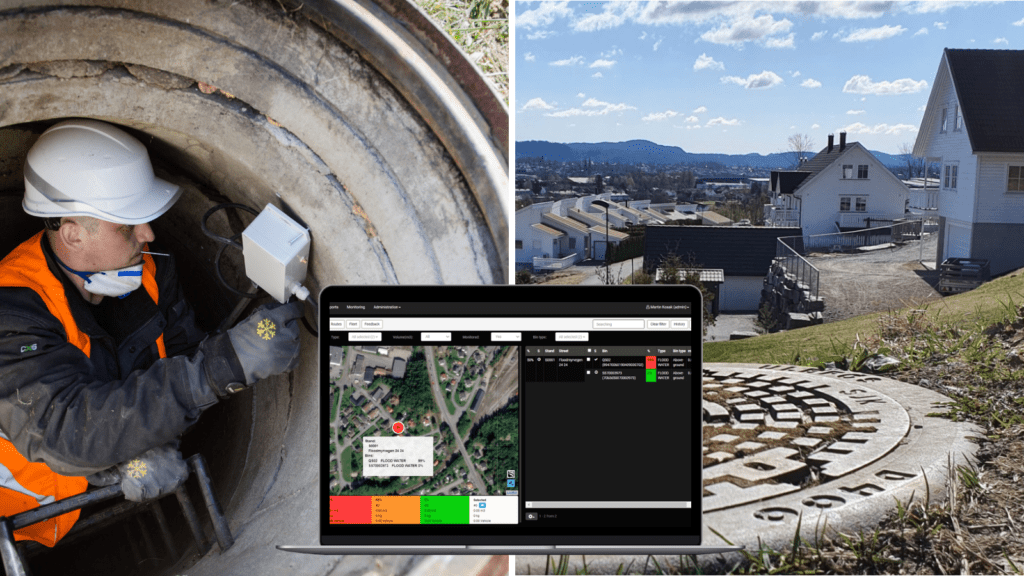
<point x="134" y="544"/>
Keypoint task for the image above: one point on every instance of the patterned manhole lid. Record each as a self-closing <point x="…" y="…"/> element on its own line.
<point x="783" y="443"/>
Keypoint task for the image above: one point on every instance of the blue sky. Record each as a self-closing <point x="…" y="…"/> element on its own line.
<point x="740" y="77"/>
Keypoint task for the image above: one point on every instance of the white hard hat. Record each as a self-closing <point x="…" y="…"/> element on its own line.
<point x="91" y="168"/>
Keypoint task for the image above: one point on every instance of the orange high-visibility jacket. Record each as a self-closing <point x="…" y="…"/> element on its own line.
<point x="25" y="485"/>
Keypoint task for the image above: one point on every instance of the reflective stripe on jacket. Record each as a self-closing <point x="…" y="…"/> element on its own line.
<point x="25" y="485"/>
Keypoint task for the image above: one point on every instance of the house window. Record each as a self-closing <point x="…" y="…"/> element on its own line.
<point x="942" y="127"/>
<point x="949" y="176"/>
<point x="862" y="204"/>
<point x="862" y="171"/>
<point x="572" y="243"/>
<point x="1015" y="180"/>
<point x="958" y="119"/>
<point x="519" y="244"/>
<point x="847" y="171"/>
<point x="844" y="204"/>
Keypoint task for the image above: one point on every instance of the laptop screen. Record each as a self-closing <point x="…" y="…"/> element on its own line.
<point x="505" y="415"/>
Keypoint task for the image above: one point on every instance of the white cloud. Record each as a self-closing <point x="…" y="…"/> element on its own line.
<point x="661" y="13"/>
<point x="1001" y="41"/>
<point x="819" y="35"/>
<point x="766" y="79"/>
<point x="868" y="34"/>
<point x="692" y="119"/>
<point x="747" y="29"/>
<point x="537" y="104"/>
<point x="700" y="110"/>
<point x="811" y="83"/>
<point x="720" y="121"/>
<point x="603" y="64"/>
<point x="1019" y="22"/>
<point x="597" y="75"/>
<point x="941" y="25"/>
<point x="581" y="95"/>
<point x="894" y="130"/>
<point x="615" y="14"/>
<point x="921" y="31"/>
<point x="693" y="127"/>
<point x="795" y="74"/>
<point x="922" y="108"/>
<point x="643" y="35"/>
<point x="659" y="116"/>
<point x="545" y="15"/>
<point x="815" y="126"/>
<point x="592" y="107"/>
<point x="568" y="61"/>
<point x="541" y="34"/>
<point x="612" y="53"/>
<point x="855" y="111"/>
<point x="780" y="42"/>
<point x="792" y="127"/>
<point x="656" y="44"/>
<point x="529" y="57"/>
<point x="704" y="61"/>
<point x="864" y="85"/>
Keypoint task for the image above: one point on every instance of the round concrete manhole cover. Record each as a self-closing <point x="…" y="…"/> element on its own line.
<point x="784" y="444"/>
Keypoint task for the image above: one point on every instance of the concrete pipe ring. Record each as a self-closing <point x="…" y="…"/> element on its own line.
<point x="359" y="119"/>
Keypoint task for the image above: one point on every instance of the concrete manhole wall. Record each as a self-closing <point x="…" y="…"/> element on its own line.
<point x="336" y="111"/>
<point x="784" y="445"/>
<point x="262" y="105"/>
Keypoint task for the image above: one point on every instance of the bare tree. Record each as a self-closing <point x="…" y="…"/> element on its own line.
<point x="800" y="145"/>
<point x="913" y="164"/>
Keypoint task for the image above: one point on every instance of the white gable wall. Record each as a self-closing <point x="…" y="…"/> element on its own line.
<point x="951" y="146"/>
<point x="820" y="196"/>
<point x="534" y="242"/>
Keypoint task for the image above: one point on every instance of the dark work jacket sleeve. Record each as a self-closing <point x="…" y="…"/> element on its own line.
<point x="56" y="406"/>
<point x="182" y="335"/>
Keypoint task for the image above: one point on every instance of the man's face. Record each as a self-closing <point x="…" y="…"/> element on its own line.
<point x="110" y="246"/>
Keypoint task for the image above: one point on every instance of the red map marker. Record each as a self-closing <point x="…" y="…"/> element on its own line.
<point x="398" y="427"/>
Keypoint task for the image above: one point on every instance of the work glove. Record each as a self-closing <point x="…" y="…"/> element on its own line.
<point x="152" y="474"/>
<point x="267" y="342"/>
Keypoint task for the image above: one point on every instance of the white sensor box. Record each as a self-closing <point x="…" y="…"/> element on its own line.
<point x="276" y="252"/>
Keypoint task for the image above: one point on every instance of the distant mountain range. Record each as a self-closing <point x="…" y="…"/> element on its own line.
<point x="646" y="152"/>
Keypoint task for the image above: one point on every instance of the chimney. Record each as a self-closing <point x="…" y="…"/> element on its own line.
<point x="831" y="137"/>
<point x="842" y="141"/>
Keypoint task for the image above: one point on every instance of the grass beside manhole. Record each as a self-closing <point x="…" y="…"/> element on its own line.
<point x="969" y="347"/>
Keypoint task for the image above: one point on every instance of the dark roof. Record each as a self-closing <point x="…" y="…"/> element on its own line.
<point x="821" y="160"/>
<point x="398" y="368"/>
<point x="989" y="84"/>
<point x="738" y="250"/>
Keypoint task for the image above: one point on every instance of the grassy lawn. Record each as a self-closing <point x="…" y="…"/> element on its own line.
<point x="346" y="464"/>
<point x="334" y="406"/>
<point x="827" y="342"/>
<point x="481" y="29"/>
<point x="448" y="402"/>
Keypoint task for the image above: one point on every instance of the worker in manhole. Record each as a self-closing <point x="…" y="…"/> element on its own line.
<point x="98" y="378"/>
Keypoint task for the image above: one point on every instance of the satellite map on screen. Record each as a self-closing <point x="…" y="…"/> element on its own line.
<point x="424" y="420"/>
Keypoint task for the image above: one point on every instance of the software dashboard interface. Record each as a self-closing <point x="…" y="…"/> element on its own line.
<point x="510" y="417"/>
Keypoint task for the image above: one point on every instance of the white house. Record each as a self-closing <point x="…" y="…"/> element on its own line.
<point x="844" y="187"/>
<point x="556" y="235"/>
<point x="973" y="127"/>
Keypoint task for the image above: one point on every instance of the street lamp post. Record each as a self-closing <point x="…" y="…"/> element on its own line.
<point x="607" y="239"/>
